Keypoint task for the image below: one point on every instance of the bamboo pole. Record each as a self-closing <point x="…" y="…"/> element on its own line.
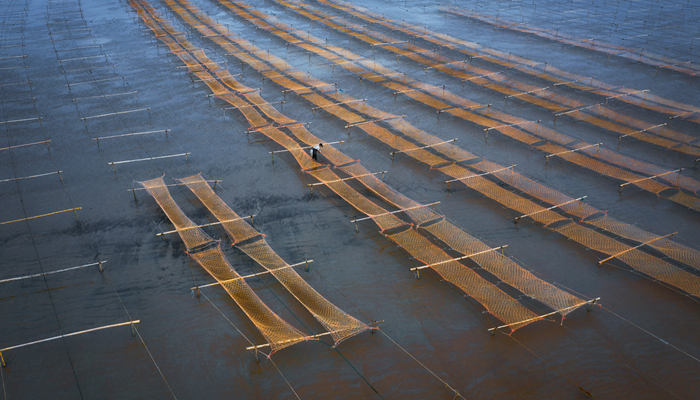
<point x="417" y="269"/>
<point x="619" y="138"/>
<point x="518" y="218"/>
<point x="481" y="174"/>
<point x="99" y="264"/>
<point x="621" y="186"/>
<point x="597" y="145"/>
<point x="99" y="328"/>
<point x="635" y="247"/>
<point x="512" y="125"/>
<point x="539" y="317"/>
<point x="373" y="120"/>
<point x="215" y="181"/>
<point x="14" y="121"/>
<point x="114" y="78"/>
<point x="116" y="113"/>
<point x="305" y="147"/>
<point x="104" y="96"/>
<point x="113" y="163"/>
<point x="311" y="185"/>
<point x="393" y="153"/>
<point x="21" y="178"/>
<point x="305" y="263"/>
<point x="41" y="215"/>
<point x="205" y="225"/>
<point x="337" y="104"/>
<point x="304" y="338"/>
<point x="166" y="131"/>
<point x="394" y="212"/>
<point x="25" y="145"/>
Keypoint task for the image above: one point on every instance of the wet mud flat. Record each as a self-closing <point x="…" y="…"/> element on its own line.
<point x="92" y="69"/>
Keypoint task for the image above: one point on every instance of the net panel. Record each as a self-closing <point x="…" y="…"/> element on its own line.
<point x="549" y="73"/>
<point x="497" y="302"/>
<point x="486" y="78"/>
<point x="653" y="60"/>
<point x="278" y="332"/>
<point x="637" y="259"/>
<point x="237" y="228"/>
<point x="504" y="268"/>
<point x="513" y="132"/>
<point x="579" y="209"/>
<point x="192" y="237"/>
<point x="338" y="323"/>
<point x="676" y="251"/>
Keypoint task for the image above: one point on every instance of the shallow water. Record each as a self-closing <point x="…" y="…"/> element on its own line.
<point x="195" y="348"/>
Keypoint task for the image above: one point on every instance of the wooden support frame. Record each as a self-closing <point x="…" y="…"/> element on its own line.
<point x="205" y="225"/>
<point x="478" y="175"/>
<point x="596" y="145"/>
<point x="74" y="210"/>
<point x="21" y="178"/>
<point x="99" y="264"/>
<point x="601" y="262"/>
<point x="305" y="263"/>
<point x="99" y="328"/>
<point x="422" y="267"/>
<point x="622" y="185"/>
<point x="394" y="153"/>
<point x="540" y="317"/>
<point x="356" y="220"/>
<point x="311" y="185"/>
<point x="113" y="163"/>
<point x="518" y="218"/>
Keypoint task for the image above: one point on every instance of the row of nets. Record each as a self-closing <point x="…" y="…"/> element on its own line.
<point x="548" y="73"/>
<point x="616" y="50"/>
<point x="542" y="97"/>
<point x="278" y="332"/>
<point x="527" y="132"/>
<point x="580" y="210"/>
<point x="503" y="306"/>
<point x="337" y="322"/>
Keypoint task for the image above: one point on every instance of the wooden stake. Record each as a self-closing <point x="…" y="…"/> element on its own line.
<point x="516" y="219"/>
<point x="305" y="263"/>
<point x="41" y="215"/>
<point x="635" y="247"/>
<point x="356" y="220"/>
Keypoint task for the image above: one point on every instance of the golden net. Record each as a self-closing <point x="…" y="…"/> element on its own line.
<point x="497" y="82"/>
<point x="497" y="302"/>
<point x="276" y="331"/>
<point x="676" y="251"/>
<point x="339" y="324"/>
<point x="647" y="58"/>
<point x="510" y="61"/>
<point x="578" y="209"/>
<point x="637" y="259"/>
<point x="324" y="174"/>
<point x="192" y="237"/>
<point x="488" y="293"/>
<point x="504" y="268"/>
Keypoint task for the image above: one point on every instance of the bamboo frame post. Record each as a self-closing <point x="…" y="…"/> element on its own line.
<point x="2" y="360"/>
<point x="133" y="329"/>
<point x="100" y="267"/>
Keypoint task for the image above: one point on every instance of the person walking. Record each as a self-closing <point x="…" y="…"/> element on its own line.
<point x="315" y="150"/>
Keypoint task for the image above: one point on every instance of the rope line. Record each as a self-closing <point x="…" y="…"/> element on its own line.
<point x="457" y="394"/>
